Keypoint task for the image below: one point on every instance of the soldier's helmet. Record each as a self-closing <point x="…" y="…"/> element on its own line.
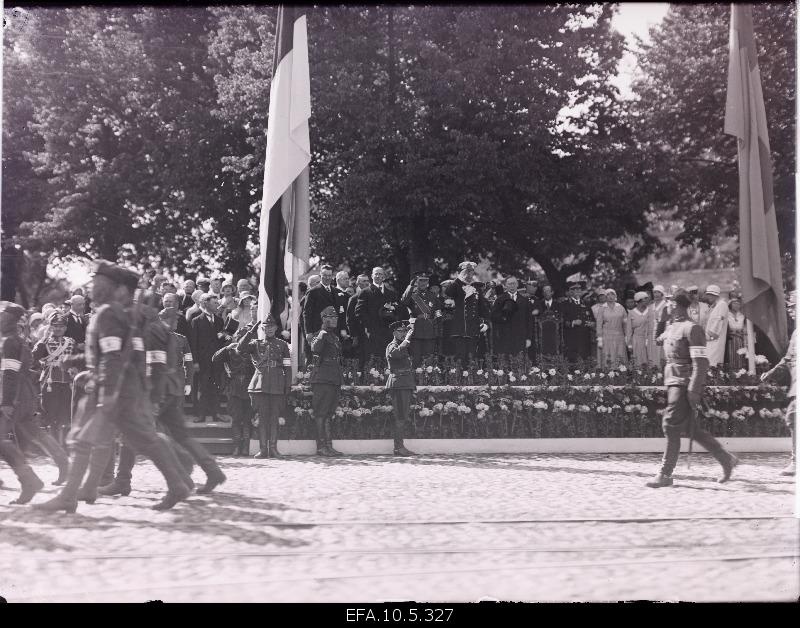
<point x="12" y="309"/>
<point x="117" y="274"/>
<point x="270" y="320"/>
<point x="400" y="326"/>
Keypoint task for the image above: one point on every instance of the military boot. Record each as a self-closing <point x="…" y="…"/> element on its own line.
<point x="67" y="499"/>
<point x="727" y="468"/>
<point x="400" y="450"/>
<point x="29" y="483"/>
<point x="273" y="439"/>
<point x="660" y="481"/>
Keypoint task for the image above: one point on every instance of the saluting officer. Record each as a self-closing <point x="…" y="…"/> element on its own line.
<point x="17" y="405"/>
<point x="425" y="309"/>
<point x="685" y="379"/>
<point x="271" y="382"/>
<point x="115" y="352"/>
<point x="400" y="381"/>
<point x="238" y="372"/>
<point x="326" y="379"/>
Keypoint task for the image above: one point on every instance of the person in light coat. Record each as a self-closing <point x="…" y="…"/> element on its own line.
<point x="716" y="326"/>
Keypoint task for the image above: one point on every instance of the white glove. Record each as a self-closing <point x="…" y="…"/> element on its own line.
<point x="187" y="390"/>
<point x="600" y="342"/>
<point x="285" y="334"/>
<point x="484" y="327"/>
<point x="343" y="333"/>
<point x="411" y="321"/>
<point x="527" y="344"/>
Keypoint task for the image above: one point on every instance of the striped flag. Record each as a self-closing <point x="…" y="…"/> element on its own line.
<point x="745" y="118"/>
<point x="284" y="226"/>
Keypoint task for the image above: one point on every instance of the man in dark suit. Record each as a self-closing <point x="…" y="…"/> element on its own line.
<point x="547" y="321"/>
<point x="77" y="321"/>
<point x="470" y="313"/>
<point x="194" y="310"/>
<point x="343" y="293"/>
<point x="317" y="299"/>
<point x="354" y="326"/>
<point x="185" y="299"/>
<point x="376" y="309"/>
<point x="207" y="337"/>
<point x="511" y="316"/>
<point x="578" y="320"/>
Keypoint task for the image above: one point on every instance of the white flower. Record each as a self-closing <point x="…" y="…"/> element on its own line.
<point x="586" y="376"/>
<point x="760" y="359"/>
<point x="419" y="370"/>
<point x="612" y="374"/>
<point x="552" y="372"/>
<point x="741" y="372"/>
<point x="742" y="351"/>
<point x="571" y="407"/>
<point x="464" y="373"/>
<point x="543" y="375"/>
<point x="584" y="408"/>
<point x="499" y="372"/>
<point x="429" y="369"/>
<point x="569" y="377"/>
<point x="524" y="378"/>
<point x="577" y="371"/>
<point x="503" y="407"/>
<point x="541" y="405"/>
<point x="511" y="378"/>
<point x="453" y="371"/>
<point x="281" y="421"/>
<point x="622" y="368"/>
<point x="479" y="372"/>
<point x="601" y="374"/>
<point x="535" y="369"/>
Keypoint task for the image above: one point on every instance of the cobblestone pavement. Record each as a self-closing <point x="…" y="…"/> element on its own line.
<point x="433" y="528"/>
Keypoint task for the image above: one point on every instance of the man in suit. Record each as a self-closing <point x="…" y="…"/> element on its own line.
<point x="343" y="293"/>
<point x="424" y="308"/>
<point x="77" y="321"/>
<point x="194" y="310"/>
<point x="186" y="300"/>
<point x="578" y="321"/>
<point x="547" y="319"/>
<point x="317" y="299"/>
<point x="375" y="309"/>
<point x="511" y="318"/>
<point x="171" y="300"/>
<point x="207" y="337"/>
<point x="354" y="326"/>
<point x="470" y="313"/>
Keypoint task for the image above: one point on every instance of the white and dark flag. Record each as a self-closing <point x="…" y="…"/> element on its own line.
<point x="284" y="227"/>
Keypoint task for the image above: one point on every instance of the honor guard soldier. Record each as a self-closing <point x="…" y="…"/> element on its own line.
<point x="55" y="380"/>
<point x="115" y="353"/>
<point x="271" y="382"/>
<point x="238" y="373"/>
<point x="685" y="377"/>
<point x="400" y="382"/>
<point x="425" y="309"/>
<point x="326" y="378"/>
<point x="18" y="405"/>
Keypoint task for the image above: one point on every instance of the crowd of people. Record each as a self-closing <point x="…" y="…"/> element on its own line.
<point x="90" y="364"/>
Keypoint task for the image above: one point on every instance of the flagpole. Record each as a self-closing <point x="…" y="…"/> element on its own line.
<point x="751" y="347"/>
<point x="295" y="329"/>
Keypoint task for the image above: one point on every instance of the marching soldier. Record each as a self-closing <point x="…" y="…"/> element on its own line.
<point x="326" y="378"/>
<point x="55" y="380"/>
<point x="271" y="382"/>
<point x="787" y="366"/>
<point x="239" y="372"/>
<point x="400" y="381"/>
<point x="115" y="353"/>
<point x="425" y="309"/>
<point x="685" y="377"/>
<point x="17" y="406"/>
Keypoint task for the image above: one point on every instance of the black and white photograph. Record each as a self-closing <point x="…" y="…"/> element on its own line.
<point x="402" y="311"/>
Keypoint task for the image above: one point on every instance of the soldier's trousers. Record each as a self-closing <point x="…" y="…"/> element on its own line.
<point x="270" y="408"/>
<point x="401" y="402"/>
<point x="791" y="422"/>
<point x="208" y="396"/>
<point x="676" y="422"/>
<point x="56" y="405"/>
<point x="421" y="348"/>
<point x="30" y="429"/>
<point x="323" y="402"/>
<point x="241" y="416"/>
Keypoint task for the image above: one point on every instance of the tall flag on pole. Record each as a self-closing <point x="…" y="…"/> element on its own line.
<point x="284" y="226"/>
<point x="745" y="118"/>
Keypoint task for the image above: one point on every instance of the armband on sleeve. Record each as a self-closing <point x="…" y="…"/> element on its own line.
<point x="697" y="352"/>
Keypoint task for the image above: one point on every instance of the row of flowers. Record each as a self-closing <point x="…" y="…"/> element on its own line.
<point x="366" y="412"/>
<point x="516" y="371"/>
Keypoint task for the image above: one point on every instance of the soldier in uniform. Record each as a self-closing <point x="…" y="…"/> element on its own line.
<point x="55" y="380"/>
<point x="115" y="353"/>
<point x="271" y="382"/>
<point x="787" y="367"/>
<point x="17" y="405"/>
<point x="685" y="377"/>
<point x="326" y="378"/>
<point x="578" y="321"/>
<point x="400" y="381"/>
<point x="470" y="313"/>
<point x="424" y="308"/>
<point x="239" y="372"/>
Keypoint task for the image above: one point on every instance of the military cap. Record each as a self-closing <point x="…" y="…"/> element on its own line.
<point x="117" y="274"/>
<point x="575" y="284"/>
<point x="422" y="273"/>
<point x="168" y="314"/>
<point x="203" y="282"/>
<point x="57" y="318"/>
<point x="12" y="309"/>
<point x="270" y="319"/>
<point x="328" y="311"/>
<point x="467" y="266"/>
<point x="227" y="282"/>
<point x="399" y="325"/>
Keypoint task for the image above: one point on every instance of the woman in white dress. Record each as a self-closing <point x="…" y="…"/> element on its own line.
<point x="613" y="328"/>
<point x="737" y="334"/>
<point x="642" y="330"/>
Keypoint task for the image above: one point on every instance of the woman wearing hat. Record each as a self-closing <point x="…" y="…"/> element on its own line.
<point x="613" y="329"/>
<point x="642" y="327"/>
<point x="716" y="326"/>
<point x="737" y="333"/>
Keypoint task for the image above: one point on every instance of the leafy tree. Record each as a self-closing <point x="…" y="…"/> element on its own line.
<point x="691" y="164"/>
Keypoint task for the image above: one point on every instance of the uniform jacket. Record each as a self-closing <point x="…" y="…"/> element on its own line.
<point x="468" y="314"/>
<point x="327" y="367"/>
<point x="401" y="374"/>
<point x="512" y="323"/>
<point x="48" y="357"/>
<point x="316" y="300"/>
<point x="354" y="326"/>
<point x="787" y="363"/>
<point x="238" y="370"/>
<point x="579" y="336"/>
<point x="425" y="325"/>
<point x="204" y="339"/>
<point x="16" y="388"/>
<point x="180" y="364"/>
<point x="271" y="362"/>
<point x="685" y="354"/>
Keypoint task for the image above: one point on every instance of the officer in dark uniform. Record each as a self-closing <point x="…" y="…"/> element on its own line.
<point x="271" y="382"/>
<point x="470" y="313"/>
<point x="18" y="404"/>
<point x="400" y="381"/>
<point x="424" y="308"/>
<point x="326" y="379"/>
<point x="239" y="371"/>
<point x="578" y="321"/>
<point x="115" y="353"/>
<point x="685" y="378"/>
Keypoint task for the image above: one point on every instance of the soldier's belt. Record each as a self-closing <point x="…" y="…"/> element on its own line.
<point x="329" y="361"/>
<point x="401" y="372"/>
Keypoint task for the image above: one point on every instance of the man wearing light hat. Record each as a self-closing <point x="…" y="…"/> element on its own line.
<point x="698" y="311"/>
<point x="18" y="405"/>
<point x="400" y="381"/>
<point x="716" y="326"/>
